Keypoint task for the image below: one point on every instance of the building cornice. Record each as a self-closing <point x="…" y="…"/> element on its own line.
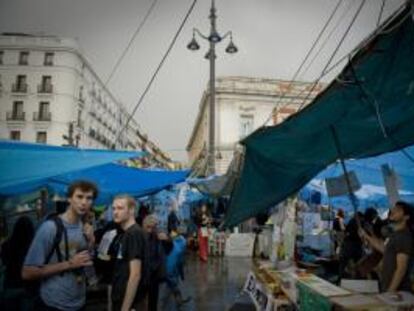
<point x="241" y="86"/>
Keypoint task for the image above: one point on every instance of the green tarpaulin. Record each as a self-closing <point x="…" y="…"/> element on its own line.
<point x="370" y="106"/>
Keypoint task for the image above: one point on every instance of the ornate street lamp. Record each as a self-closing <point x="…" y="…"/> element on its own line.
<point x="213" y="38"/>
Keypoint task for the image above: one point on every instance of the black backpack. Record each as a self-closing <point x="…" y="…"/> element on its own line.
<point x="33" y="287"/>
<point x="60" y="233"/>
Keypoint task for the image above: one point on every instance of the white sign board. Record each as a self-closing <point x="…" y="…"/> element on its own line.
<point x="240" y="245"/>
<point x="337" y="186"/>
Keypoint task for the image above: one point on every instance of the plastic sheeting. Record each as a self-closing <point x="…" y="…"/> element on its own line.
<point x="368" y="110"/>
<point x="26" y="166"/>
<point x="113" y="179"/>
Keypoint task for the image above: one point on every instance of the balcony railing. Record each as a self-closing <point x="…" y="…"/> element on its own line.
<point x="45" y="88"/>
<point x="16" y="116"/>
<point x="19" y="88"/>
<point x="42" y="116"/>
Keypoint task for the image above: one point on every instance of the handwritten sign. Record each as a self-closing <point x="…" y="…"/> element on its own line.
<point x="262" y="300"/>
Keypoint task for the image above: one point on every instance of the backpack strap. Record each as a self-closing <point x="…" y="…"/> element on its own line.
<point x="60" y="232"/>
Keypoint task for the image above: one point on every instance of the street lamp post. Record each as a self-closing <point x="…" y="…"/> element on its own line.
<point x="213" y="38"/>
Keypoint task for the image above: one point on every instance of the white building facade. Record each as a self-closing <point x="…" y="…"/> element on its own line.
<point x="243" y="105"/>
<point x="50" y="94"/>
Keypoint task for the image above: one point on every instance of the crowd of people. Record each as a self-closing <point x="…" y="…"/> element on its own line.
<point x="49" y="268"/>
<point x="369" y="247"/>
<point x="53" y="265"/>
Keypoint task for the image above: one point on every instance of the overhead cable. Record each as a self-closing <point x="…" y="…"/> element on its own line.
<point x="131" y="40"/>
<point x="158" y="68"/>
<point x="334" y="53"/>
<point x="380" y="13"/>
<point x="306" y="57"/>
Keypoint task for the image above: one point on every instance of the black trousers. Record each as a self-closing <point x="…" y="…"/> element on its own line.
<point x="153" y="291"/>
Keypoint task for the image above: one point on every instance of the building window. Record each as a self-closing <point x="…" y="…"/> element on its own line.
<point x="80" y="123"/>
<point x="15" y="135"/>
<point x="20" y="85"/>
<point x="41" y="137"/>
<point x="24" y="58"/>
<point x="49" y="56"/>
<point x="81" y="98"/>
<point x="44" y="112"/>
<point x="17" y="107"/>
<point x="1" y="57"/>
<point x="17" y="113"/>
<point x="46" y="86"/>
<point x="246" y="125"/>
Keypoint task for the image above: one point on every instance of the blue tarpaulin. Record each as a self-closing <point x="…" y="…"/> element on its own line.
<point x="28" y="167"/>
<point x="113" y="179"/>
<point x="370" y="176"/>
<point x="25" y="166"/>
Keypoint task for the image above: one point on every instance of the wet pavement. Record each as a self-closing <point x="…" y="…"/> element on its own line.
<point x="214" y="285"/>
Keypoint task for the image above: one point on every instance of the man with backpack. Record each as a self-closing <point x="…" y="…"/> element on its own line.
<point x="59" y="252"/>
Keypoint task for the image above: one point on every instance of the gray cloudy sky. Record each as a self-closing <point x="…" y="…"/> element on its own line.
<point x="273" y="37"/>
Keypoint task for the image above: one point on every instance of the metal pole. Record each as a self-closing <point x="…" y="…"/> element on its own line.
<point x="212" y="112"/>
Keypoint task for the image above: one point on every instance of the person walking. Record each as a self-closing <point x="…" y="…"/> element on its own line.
<point x="203" y="221"/>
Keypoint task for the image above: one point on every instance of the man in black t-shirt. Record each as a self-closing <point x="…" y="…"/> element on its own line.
<point x="129" y="286"/>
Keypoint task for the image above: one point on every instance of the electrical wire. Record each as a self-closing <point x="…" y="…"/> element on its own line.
<point x="381" y="12"/>
<point x="319" y="51"/>
<point x="158" y="68"/>
<point x="131" y="40"/>
<point x="333" y="54"/>
<point x="306" y="57"/>
<point x="350" y="4"/>
<point x="379" y="30"/>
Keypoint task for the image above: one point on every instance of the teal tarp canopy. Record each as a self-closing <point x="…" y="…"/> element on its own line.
<point x="25" y="165"/>
<point x="370" y="106"/>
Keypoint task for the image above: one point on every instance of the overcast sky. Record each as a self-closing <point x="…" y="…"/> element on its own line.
<point x="273" y="37"/>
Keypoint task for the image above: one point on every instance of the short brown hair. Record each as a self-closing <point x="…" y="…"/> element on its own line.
<point x="84" y="186"/>
<point x="131" y="203"/>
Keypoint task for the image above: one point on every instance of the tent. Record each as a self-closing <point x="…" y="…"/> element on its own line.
<point x="368" y="110"/>
<point x="25" y="167"/>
